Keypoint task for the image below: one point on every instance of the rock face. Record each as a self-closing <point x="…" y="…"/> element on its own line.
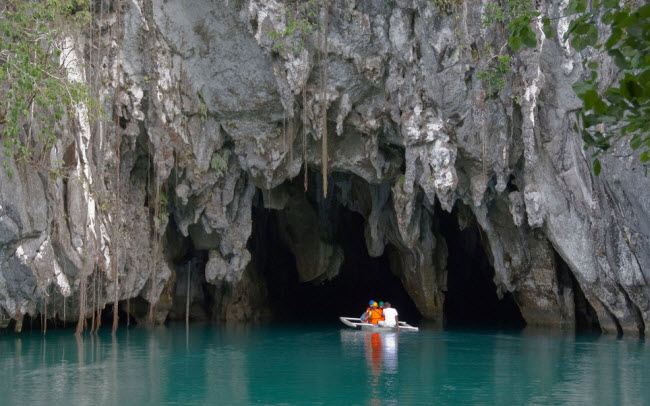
<point x="215" y="117"/>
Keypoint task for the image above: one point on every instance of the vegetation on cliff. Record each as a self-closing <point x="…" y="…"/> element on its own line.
<point x="610" y="111"/>
<point x="35" y="86"/>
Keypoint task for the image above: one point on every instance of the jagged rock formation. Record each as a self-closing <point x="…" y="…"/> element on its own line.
<point x="211" y="116"/>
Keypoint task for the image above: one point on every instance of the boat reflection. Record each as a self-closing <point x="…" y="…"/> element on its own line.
<point x="381" y="356"/>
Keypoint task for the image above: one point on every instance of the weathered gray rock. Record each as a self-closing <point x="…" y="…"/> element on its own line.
<point x="211" y="115"/>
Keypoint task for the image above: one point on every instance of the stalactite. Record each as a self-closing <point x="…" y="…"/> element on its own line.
<point x="118" y="135"/>
<point x="304" y="133"/>
<point x="65" y="299"/>
<point x="324" y="152"/>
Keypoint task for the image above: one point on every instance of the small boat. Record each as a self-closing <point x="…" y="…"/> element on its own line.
<point x="356" y="322"/>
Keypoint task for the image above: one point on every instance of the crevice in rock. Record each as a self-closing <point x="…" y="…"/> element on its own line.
<point x="471" y="293"/>
<point x="636" y="312"/>
<point x="586" y="318"/>
<point x="619" y="329"/>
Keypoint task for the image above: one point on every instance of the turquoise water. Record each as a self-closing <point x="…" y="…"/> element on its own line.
<point x="291" y="365"/>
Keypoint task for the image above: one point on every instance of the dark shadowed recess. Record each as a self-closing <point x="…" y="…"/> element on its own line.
<point x="585" y="315"/>
<point x="360" y="279"/>
<point x="471" y="297"/>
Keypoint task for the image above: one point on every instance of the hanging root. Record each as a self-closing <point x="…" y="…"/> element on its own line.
<point x="99" y="302"/>
<point x="304" y="133"/>
<point x="117" y="132"/>
<point x="81" y="323"/>
<point x="94" y="289"/>
<point x="291" y="138"/>
<point x="324" y="151"/>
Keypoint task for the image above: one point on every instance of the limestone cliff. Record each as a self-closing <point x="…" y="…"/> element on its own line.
<point x="214" y="118"/>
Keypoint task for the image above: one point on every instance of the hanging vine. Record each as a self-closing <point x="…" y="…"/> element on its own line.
<point x="324" y="152"/>
<point x="115" y="261"/>
<point x="81" y="323"/>
<point x="94" y="289"/>
<point x="160" y="221"/>
<point x="304" y="133"/>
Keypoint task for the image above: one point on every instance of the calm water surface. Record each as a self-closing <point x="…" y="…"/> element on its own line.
<point x="290" y="365"/>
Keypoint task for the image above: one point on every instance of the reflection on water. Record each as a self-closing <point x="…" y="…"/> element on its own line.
<point x="293" y="365"/>
<point x="380" y="351"/>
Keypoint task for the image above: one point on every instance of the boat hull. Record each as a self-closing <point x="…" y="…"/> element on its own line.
<point x="355" y="322"/>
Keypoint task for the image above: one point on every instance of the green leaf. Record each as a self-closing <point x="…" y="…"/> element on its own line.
<point x="644" y="12"/>
<point x="630" y="88"/>
<point x="645" y="156"/>
<point x="600" y="107"/>
<point x="580" y="88"/>
<point x="529" y="38"/>
<point x="613" y="95"/>
<point x="547" y="28"/>
<point x="576" y="6"/>
<point x="578" y="43"/>
<point x="591" y="37"/>
<point x="619" y="58"/>
<point x="590" y="99"/>
<point x="597" y="166"/>
<point x="515" y="42"/>
<point x="613" y="39"/>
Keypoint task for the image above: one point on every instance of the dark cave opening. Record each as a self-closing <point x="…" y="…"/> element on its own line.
<point x="471" y="297"/>
<point x="360" y="278"/>
<point x="470" y="300"/>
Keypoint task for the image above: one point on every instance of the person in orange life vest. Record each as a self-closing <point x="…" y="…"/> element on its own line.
<point x="375" y="314"/>
<point x="365" y="316"/>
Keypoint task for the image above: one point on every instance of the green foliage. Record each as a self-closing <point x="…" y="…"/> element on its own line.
<point x="220" y="162"/>
<point x="494" y="78"/>
<point x="301" y="22"/>
<point x="516" y="16"/>
<point x="501" y="12"/>
<point x="622" y="109"/>
<point x="203" y="108"/>
<point x="447" y="6"/>
<point x="35" y="92"/>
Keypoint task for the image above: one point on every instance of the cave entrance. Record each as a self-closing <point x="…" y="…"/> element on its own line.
<point x="360" y="277"/>
<point x="471" y="297"/>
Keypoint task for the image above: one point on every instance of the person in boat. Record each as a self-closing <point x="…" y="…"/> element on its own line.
<point x="390" y="317"/>
<point x="364" y="317"/>
<point x="375" y="314"/>
<point x="381" y="306"/>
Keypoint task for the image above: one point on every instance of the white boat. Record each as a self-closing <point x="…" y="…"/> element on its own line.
<point x="356" y="322"/>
